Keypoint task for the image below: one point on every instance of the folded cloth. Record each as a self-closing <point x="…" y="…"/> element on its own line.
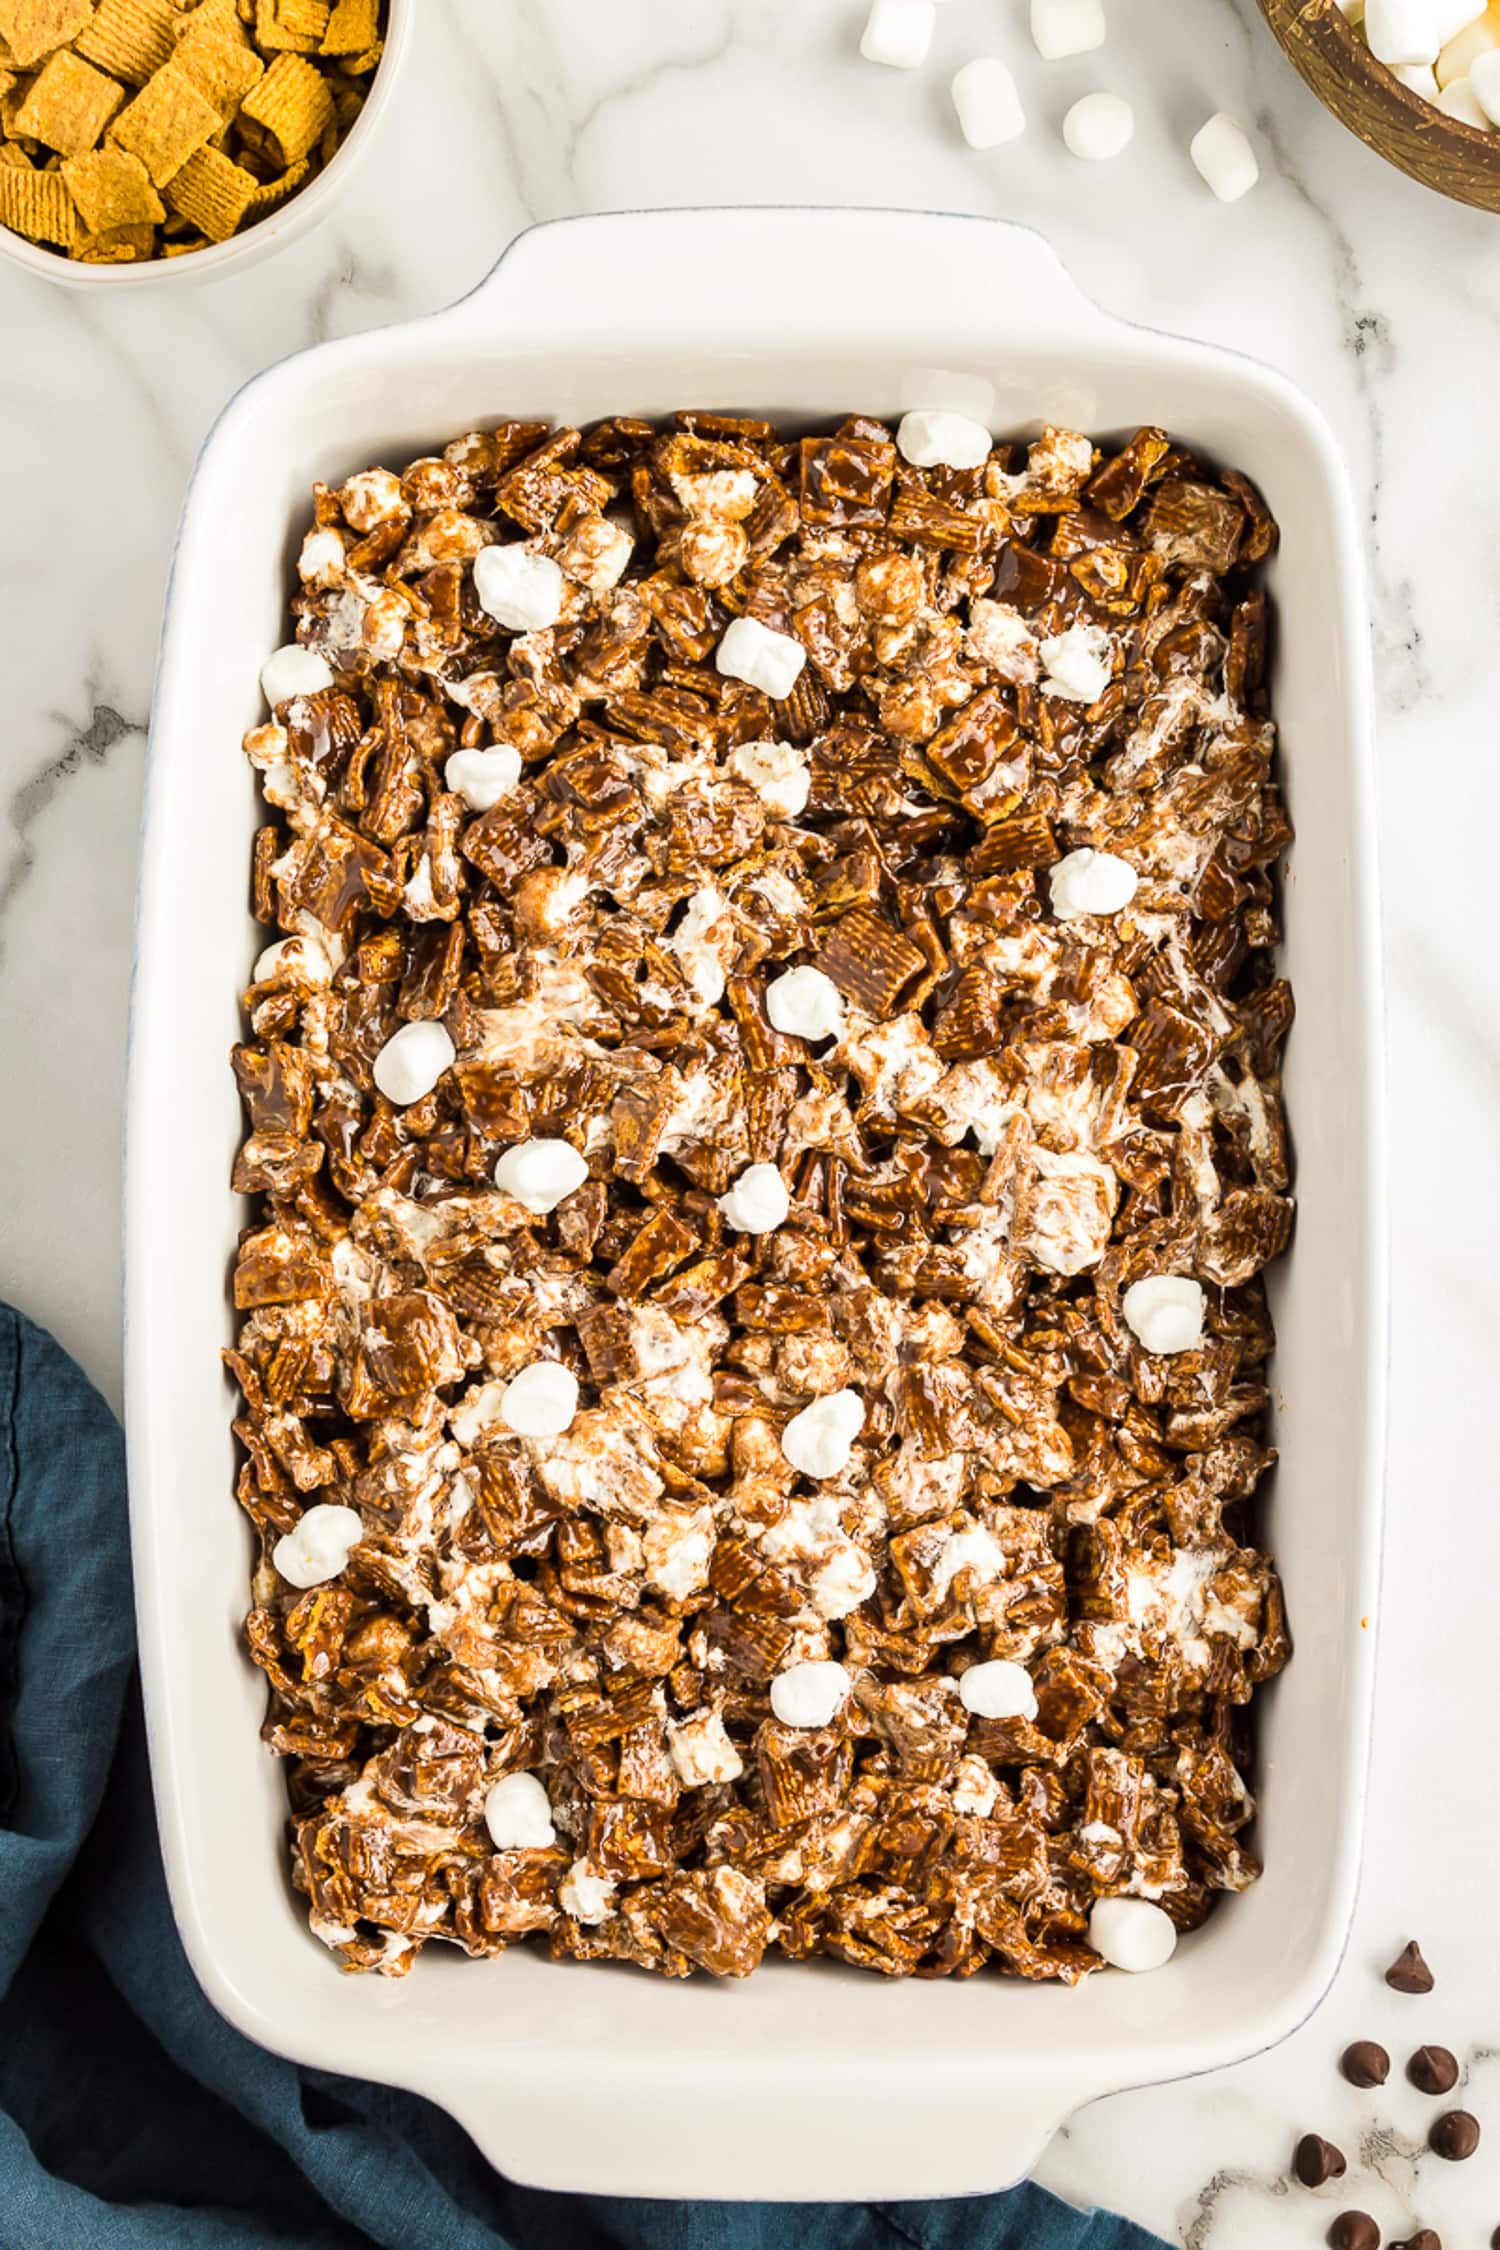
<point x="131" y="2116"/>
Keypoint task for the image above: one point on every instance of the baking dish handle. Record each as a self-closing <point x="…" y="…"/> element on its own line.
<point x="798" y="275"/>
<point x="651" y="2136"/>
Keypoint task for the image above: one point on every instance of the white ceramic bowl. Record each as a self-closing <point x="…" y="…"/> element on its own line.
<point x="284" y="225"/>
<point x="811" y="2080"/>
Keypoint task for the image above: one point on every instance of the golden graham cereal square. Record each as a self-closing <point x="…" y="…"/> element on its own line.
<point x="291" y="26"/>
<point x="69" y="105"/>
<point x="353" y="28"/>
<point x="32" y="29"/>
<point x="38" y="205"/>
<point x="112" y="190"/>
<point x="213" y="193"/>
<point x="221" y="69"/>
<point x="287" y="114"/>
<point x="166" y="122"/>
<point x="118" y="246"/>
<point x="131" y="39"/>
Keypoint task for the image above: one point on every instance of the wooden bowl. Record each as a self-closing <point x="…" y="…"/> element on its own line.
<point x="1329" y="53"/>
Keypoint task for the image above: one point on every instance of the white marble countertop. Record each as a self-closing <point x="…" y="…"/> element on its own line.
<point x="1381" y="300"/>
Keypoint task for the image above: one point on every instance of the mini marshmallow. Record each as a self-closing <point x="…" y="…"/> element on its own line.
<point x="898" y="33"/>
<point x="1099" y="127"/>
<point x="1417" y="78"/>
<point x="1089" y="882"/>
<point x="820" y="1439"/>
<point x="1066" y="27"/>
<point x="1132" y="1934"/>
<point x="807" y="1004"/>
<point x="1484" y="77"/>
<point x="520" y="590"/>
<point x="1077" y="663"/>
<point x="541" y="1401"/>
<point x="1165" y="1313"/>
<point x="769" y="661"/>
<point x="758" y="1202"/>
<point x="1415" y="31"/>
<point x="541" y="1174"/>
<point x="412" y="1061"/>
<point x="588" y="1897"/>
<point x="518" y="1815"/>
<point x="483" y="777"/>
<point x="1224" y="157"/>
<point x="294" y="671"/>
<point x="998" y="1690"/>
<point x="810" y="1695"/>
<point x="321" y="562"/>
<point x="987" y="103"/>
<point x="778" y="772"/>
<point x="1480" y="37"/>
<point x="297" y="956"/>
<point x="935" y="440"/>
<point x="1461" y="101"/>
<point x="318" y="1546"/>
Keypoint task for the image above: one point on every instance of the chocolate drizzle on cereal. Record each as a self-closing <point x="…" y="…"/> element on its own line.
<point x="995" y="1113"/>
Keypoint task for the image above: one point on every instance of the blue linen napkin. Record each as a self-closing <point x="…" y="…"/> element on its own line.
<point x="132" y="2117"/>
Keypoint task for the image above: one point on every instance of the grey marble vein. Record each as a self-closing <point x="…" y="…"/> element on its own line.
<point x="88" y="744"/>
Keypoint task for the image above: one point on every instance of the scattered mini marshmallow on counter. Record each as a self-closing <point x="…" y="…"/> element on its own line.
<point x="1459" y="100"/>
<point x="1099" y="127"/>
<point x="1066" y="27"/>
<point x="412" y="1061"/>
<point x="518" y="1815"/>
<point x="758" y="1202"/>
<point x="1077" y="663"/>
<point x="318" y="1546"/>
<point x="820" y="1440"/>
<point x="1224" y="157"/>
<point x="898" y="33"/>
<point x="520" y="590"/>
<point x="938" y="440"/>
<point x="998" y="1690"/>
<point x="1165" y="1312"/>
<point x="1089" y="882"/>
<point x="293" y="671"/>
<point x="805" y="1003"/>
<point x="762" y="658"/>
<point x="541" y="1401"/>
<point x="810" y="1695"/>
<point x="483" y="777"/>
<point x="588" y="1897"/>
<point x="778" y="772"/>
<point x="1484" y="77"/>
<point x="540" y="1174"/>
<point x="1132" y="1934"/>
<point x="987" y="103"/>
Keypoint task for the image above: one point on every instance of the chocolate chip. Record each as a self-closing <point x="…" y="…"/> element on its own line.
<point x="1409" y="1972"/>
<point x="1455" y="2135"/>
<point x="1354" y="2230"/>
<point x="1365" y="2063"/>
<point x="1317" y="2160"/>
<point x="1425" y="2240"/>
<point x="1433" y="2070"/>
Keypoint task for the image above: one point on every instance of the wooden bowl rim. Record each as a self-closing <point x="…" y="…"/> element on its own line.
<point x="1329" y="26"/>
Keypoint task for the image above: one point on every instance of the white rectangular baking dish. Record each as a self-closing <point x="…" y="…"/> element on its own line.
<point x="808" y="2081"/>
